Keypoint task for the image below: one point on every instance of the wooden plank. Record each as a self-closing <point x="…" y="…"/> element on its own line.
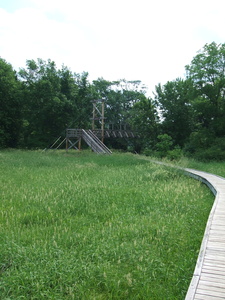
<point x="210" y="288"/>
<point x="219" y="215"/>
<point x="212" y="245"/>
<point x="210" y="293"/>
<point x="219" y="235"/>
<point x="214" y="262"/>
<point x="217" y="231"/>
<point x="217" y="241"/>
<point x="213" y="278"/>
<point x="209" y="270"/>
<point x="220" y="210"/>
<point x="211" y="253"/>
<point x="215" y="266"/>
<point x="216" y="237"/>
<point x="216" y="248"/>
<point x="211" y="256"/>
<point x="205" y="297"/>
<point x="218" y="223"/>
<point x="212" y="284"/>
<point x="216" y="245"/>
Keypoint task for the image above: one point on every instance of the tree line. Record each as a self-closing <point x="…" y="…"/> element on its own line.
<point x="185" y="115"/>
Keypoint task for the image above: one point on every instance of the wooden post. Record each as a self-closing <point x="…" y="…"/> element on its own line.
<point x="79" y="144"/>
<point x="99" y="115"/>
<point x="103" y="120"/>
<point x="93" y="120"/>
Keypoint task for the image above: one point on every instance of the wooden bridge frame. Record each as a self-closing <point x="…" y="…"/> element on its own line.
<point x="74" y="137"/>
<point x="95" y="137"/>
<point x="99" y="115"/>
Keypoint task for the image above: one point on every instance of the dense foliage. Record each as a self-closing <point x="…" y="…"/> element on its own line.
<point x="40" y="101"/>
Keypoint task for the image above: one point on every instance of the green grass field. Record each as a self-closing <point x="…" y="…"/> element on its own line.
<point x="213" y="167"/>
<point x="85" y="226"/>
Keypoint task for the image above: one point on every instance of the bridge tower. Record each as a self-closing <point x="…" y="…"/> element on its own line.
<point x="98" y="114"/>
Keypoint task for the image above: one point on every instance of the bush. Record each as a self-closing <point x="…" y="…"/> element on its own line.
<point x="214" y="151"/>
<point x="148" y="152"/>
<point x="164" y="144"/>
<point x="175" y="154"/>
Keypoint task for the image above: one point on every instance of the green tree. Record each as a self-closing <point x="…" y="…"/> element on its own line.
<point x="207" y="71"/>
<point x="174" y="102"/>
<point x="47" y="109"/>
<point x="120" y="97"/>
<point x="106" y="90"/>
<point x="83" y="101"/>
<point x="164" y="144"/>
<point x="144" y="120"/>
<point x="11" y="106"/>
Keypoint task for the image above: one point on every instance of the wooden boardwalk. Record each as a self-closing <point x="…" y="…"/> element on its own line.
<point x="208" y="281"/>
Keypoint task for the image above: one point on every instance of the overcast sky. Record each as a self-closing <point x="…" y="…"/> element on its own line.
<point x="145" y="40"/>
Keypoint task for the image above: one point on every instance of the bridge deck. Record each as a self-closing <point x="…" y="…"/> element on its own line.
<point x="76" y="133"/>
<point x="208" y="281"/>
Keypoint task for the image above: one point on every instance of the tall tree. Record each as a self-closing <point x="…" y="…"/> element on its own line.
<point x="11" y="106"/>
<point x="174" y="102"/>
<point x="144" y="120"/>
<point x="47" y="108"/>
<point x="207" y="71"/>
<point x="120" y="97"/>
<point x="83" y="101"/>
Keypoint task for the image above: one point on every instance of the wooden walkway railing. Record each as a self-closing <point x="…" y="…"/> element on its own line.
<point x="93" y="141"/>
<point x="208" y="281"/>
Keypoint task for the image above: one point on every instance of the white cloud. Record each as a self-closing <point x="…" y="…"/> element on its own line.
<point x="147" y="40"/>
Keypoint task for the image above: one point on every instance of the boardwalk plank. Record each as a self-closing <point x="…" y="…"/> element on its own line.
<point x="214" y="262"/>
<point x="211" y="284"/>
<point x="214" y="266"/>
<point x="213" y="278"/>
<point x="214" y="258"/>
<point x="211" y="289"/>
<point x="211" y="293"/>
<point x="205" y="297"/>
<point x="215" y="253"/>
<point x="212" y="270"/>
<point x="208" y="281"/>
<point x="215" y="243"/>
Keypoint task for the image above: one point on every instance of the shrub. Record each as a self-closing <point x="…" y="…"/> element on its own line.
<point x="215" y="150"/>
<point x="175" y="154"/>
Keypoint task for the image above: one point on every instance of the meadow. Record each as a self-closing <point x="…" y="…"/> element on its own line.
<point x="214" y="167"/>
<point x="78" y="225"/>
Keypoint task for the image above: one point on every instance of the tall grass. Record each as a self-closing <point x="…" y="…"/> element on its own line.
<point x="214" y="167"/>
<point x="83" y="226"/>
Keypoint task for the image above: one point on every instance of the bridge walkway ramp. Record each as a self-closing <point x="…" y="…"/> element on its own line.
<point x="94" y="142"/>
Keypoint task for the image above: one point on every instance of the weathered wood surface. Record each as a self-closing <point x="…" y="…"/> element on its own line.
<point x="76" y="133"/>
<point x="93" y="141"/>
<point x="208" y="281"/>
